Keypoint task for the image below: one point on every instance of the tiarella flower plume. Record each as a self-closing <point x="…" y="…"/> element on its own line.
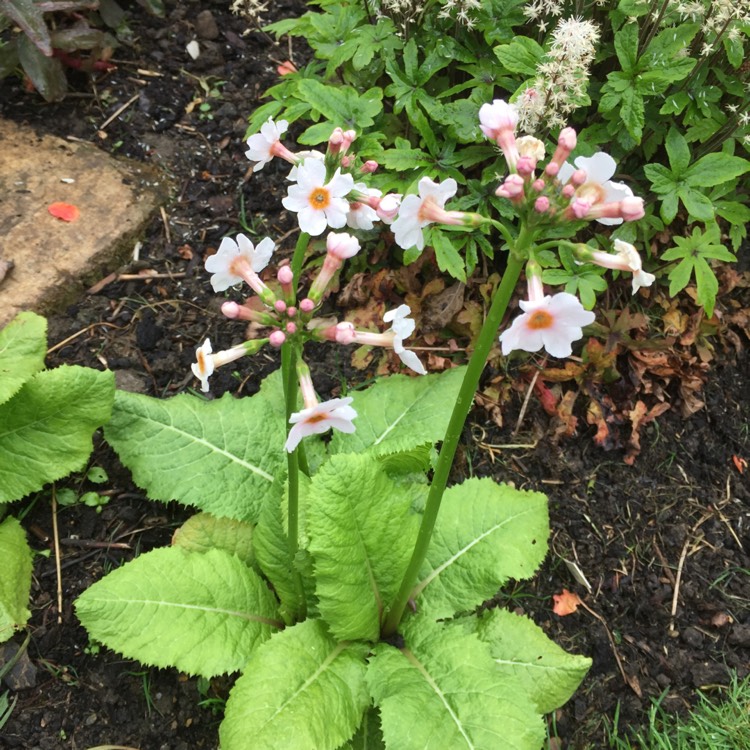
<point x="237" y="261"/>
<point x="336" y="413"/>
<point x="417" y="211"/>
<point x="318" y="203"/>
<point x="263" y="146"/>
<point x="598" y="187"/>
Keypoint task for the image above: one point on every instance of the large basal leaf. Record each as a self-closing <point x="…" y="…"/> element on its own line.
<point x="485" y="534"/>
<point x="15" y="581"/>
<point x="225" y="457"/>
<point x="368" y="736"/>
<point x="204" y="613"/>
<point x="361" y="537"/>
<point x="46" y="428"/>
<point x="400" y="413"/>
<point x="203" y="532"/>
<point x="523" y="652"/>
<point x="46" y="73"/>
<point x="300" y="691"/>
<point x="23" y="344"/>
<point x="28" y="15"/>
<point x="443" y="690"/>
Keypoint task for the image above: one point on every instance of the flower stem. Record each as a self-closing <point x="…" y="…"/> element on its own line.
<point x="289" y="356"/>
<point x="486" y="338"/>
<point x="299" y="257"/>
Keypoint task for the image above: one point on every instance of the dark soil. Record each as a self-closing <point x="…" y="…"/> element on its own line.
<point x="664" y="543"/>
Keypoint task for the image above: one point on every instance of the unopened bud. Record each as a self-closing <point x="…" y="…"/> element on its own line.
<point x="230" y="310"/>
<point x="285" y="275"/>
<point x="568" y="191"/>
<point x="578" y="177"/>
<point x="369" y="167"/>
<point x="552" y="169"/>
<point x="291" y="328"/>
<point x="538" y="185"/>
<point x="632" y="208"/>
<point x="291" y="311"/>
<point x="307" y="305"/>
<point x="541" y="204"/>
<point x="276" y="339"/>
<point x="279" y="305"/>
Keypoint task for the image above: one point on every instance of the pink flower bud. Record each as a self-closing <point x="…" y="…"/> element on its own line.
<point x="347" y="161"/>
<point x="342" y="245"/>
<point x="279" y="305"/>
<point x="580" y="208"/>
<point x="632" y="209"/>
<point x="538" y="185"/>
<point x="230" y="310"/>
<point x="567" y="139"/>
<point x="568" y="191"/>
<point x="369" y="167"/>
<point x="307" y="305"/>
<point x="285" y="275"/>
<point x="291" y="328"/>
<point x="388" y="207"/>
<point x="578" y="177"/>
<point x="512" y="187"/>
<point x="525" y="165"/>
<point x="552" y="169"/>
<point x="276" y="339"/>
<point x="541" y="204"/>
<point x="291" y="311"/>
<point x="344" y="333"/>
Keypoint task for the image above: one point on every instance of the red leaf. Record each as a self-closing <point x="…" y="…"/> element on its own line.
<point x="64" y="211"/>
<point x="565" y="603"/>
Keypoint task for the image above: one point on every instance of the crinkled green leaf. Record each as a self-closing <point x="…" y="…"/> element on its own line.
<point x="443" y="690"/>
<point x="23" y="345"/>
<point x="225" y="457"/>
<point x="485" y="534"/>
<point x="301" y="690"/>
<point x="203" y="532"/>
<point x="15" y="581"/>
<point x="400" y="413"/>
<point x="204" y="613"/>
<point x="46" y="428"/>
<point x="548" y="674"/>
<point x="368" y="736"/>
<point x="362" y="533"/>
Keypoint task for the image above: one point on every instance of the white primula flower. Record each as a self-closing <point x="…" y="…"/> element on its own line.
<point x="362" y="216"/>
<point x="598" y="188"/>
<point x="261" y="146"/>
<point x="403" y="327"/>
<point x="553" y="323"/>
<point x="319" y="204"/>
<point x="416" y="211"/>
<point x="631" y="261"/>
<point x="232" y="261"/>
<point x="203" y="368"/>
<point x="320" y="418"/>
<point x="301" y="157"/>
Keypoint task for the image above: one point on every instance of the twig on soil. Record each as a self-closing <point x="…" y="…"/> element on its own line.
<point x="119" y="111"/>
<point x="165" y="221"/>
<point x="93" y="544"/>
<point x="664" y="564"/>
<point x="680" y="566"/>
<point x="56" y="544"/>
<point x="525" y="404"/>
<point x="66" y="341"/>
<point x="147" y="276"/>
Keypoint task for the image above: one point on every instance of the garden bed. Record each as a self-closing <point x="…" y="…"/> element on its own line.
<point x="663" y="543"/>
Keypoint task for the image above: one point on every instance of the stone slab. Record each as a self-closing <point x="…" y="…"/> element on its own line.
<point x="55" y="261"/>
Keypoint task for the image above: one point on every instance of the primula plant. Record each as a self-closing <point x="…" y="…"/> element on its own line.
<point x="342" y="578"/>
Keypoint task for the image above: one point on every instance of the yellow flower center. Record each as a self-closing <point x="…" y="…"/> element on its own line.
<point x="201" y="357"/>
<point x="315" y="418"/>
<point x="320" y="198"/>
<point x="540" y="319"/>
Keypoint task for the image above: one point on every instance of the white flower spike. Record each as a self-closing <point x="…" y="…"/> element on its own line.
<point x="319" y="204"/>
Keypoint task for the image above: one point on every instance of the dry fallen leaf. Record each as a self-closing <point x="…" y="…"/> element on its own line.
<point x="740" y="463"/>
<point x="565" y="603"/>
<point x="64" y="211"/>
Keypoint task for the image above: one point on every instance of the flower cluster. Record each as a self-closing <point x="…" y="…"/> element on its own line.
<point x="324" y="194"/>
<point x="559" y="192"/>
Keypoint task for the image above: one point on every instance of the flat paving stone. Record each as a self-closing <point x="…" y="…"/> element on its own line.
<point x="54" y="261"/>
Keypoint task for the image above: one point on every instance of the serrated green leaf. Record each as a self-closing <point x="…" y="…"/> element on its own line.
<point x="522" y="55"/>
<point x="368" y="736"/>
<point x="548" y="674"/>
<point x="443" y="690"/>
<point x="300" y="690"/>
<point x="632" y="113"/>
<point x="400" y="413"/>
<point x="699" y="206"/>
<point x="203" y="532"/>
<point x="668" y="207"/>
<point x="714" y="169"/>
<point x="679" y="276"/>
<point x="342" y="105"/>
<point x="707" y="284"/>
<point x="15" y="581"/>
<point x="485" y="534"/>
<point x="449" y="260"/>
<point x="661" y="179"/>
<point x="626" y="46"/>
<point x="225" y="457"/>
<point x="362" y="533"/>
<point x="678" y="151"/>
<point x="204" y="613"/>
<point x="23" y="346"/>
<point x="46" y="428"/>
